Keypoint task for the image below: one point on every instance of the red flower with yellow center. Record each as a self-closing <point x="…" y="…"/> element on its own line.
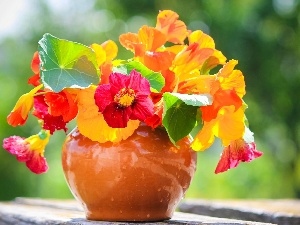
<point x="124" y="98"/>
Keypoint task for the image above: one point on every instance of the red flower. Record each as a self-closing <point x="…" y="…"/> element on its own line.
<point x="29" y="150"/>
<point x="124" y="98"/>
<point x="51" y="123"/>
<point x="237" y="151"/>
<point x="61" y="104"/>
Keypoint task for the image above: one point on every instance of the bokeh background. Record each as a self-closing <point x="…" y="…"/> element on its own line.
<point x="264" y="35"/>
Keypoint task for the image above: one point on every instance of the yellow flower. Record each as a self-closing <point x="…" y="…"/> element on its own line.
<point x="228" y="125"/>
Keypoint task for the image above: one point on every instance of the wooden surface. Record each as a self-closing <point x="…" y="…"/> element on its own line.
<point x="280" y="211"/>
<point x="25" y="211"/>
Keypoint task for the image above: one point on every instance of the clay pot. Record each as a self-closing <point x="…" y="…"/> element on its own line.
<point x="142" y="178"/>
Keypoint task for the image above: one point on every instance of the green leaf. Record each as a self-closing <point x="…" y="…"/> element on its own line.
<point x="179" y="118"/>
<point x="195" y="100"/>
<point x="66" y="64"/>
<point x="156" y="80"/>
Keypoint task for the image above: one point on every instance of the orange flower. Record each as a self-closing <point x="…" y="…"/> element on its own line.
<point x="146" y="47"/>
<point x="227" y="89"/>
<point x="230" y="79"/>
<point x="190" y="58"/>
<point x="174" y="29"/>
<point x="205" y="41"/>
<point x="19" y="114"/>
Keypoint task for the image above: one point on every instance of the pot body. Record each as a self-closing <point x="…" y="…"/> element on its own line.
<point x="142" y="178"/>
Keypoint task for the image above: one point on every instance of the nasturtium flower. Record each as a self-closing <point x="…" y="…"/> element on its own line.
<point x="221" y="98"/>
<point x="190" y="58"/>
<point x="206" y="41"/>
<point x="91" y="123"/>
<point x="124" y="98"/>
<point x="237" y="151"/>
<point x="29" y="150"/>
<point x="50" y="122"/>
<point x="62" y="104"/>
<point x="147" y="46"/>
<point x="19" y="114"/>
<point x="231" y="79"/>
<point x="228" y="125"/>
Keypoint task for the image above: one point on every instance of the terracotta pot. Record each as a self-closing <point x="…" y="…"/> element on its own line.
<point x="140" y="179"/>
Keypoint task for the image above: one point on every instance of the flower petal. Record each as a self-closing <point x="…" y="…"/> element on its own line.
<point x="103" y="96"/>
<point x="111" y="49"/>
<point x="116" y="116"/>
<point x="142" y="109"/>
<point x="17" y="146"/>
<point x="174" y="29"/>
<point x="205" y="138"/>
<point x="51" y="123"/>
<point x="230" y="124"/>
<point x="35" y="63"/>
<point x="61" y="104"/>
<point x="138" y="83"/>
<point x="19" y="114"/>
<point x="151" y="38"/>
<point x="37" y="164"/>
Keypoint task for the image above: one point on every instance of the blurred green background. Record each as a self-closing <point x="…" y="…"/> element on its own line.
<point x="264" y="35"/>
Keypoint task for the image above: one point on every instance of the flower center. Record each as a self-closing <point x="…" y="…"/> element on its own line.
<point x="125" y="97"/>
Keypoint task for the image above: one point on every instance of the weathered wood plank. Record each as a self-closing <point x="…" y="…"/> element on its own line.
<point x="281" y="211"/>
<point x="24" y="211"/>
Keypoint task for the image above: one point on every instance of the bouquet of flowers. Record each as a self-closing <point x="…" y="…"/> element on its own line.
<point x="166" y="84"/>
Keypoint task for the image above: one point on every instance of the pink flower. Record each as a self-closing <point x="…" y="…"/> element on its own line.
<point x="124" y="98"/>
<point x="29" y="150"/>
<point x="237" y="151"/>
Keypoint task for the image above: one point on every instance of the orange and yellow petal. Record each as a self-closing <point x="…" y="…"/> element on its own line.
<point x="151" y="38"/>
<point x="111" y="49"/>
<point x="220" y="99"/>
<point x="232" y="79"/>
<point x="158" y="61"/>
<point x="197" y="84"/>
<point x="100" y="54"/>
<point x="230" y="124"/>
<point x="205" y="138"/>
<point x="19" y="114"/>
<point x="204" y="40"/>
<point x="174" y="29"/>
<point x="131" y="42"/>
<point x="190" y="58"/>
